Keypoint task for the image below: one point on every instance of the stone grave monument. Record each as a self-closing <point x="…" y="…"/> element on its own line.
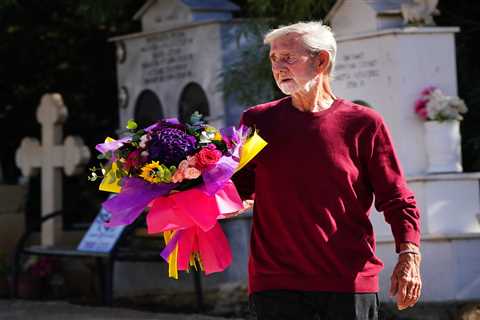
<point x="12" y="216"/>
<point x="171" y="69"/>
<point x="387" y="63"/>
<point x="48" y="158"/>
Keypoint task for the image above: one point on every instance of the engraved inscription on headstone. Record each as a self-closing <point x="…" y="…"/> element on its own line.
<point x="167" y="56"/>
<point x="354" y="70"/>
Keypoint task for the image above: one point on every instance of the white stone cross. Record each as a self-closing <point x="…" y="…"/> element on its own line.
<point x="50" y="157"/>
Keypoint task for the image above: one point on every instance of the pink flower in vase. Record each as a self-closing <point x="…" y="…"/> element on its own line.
<point x="421" y="108"/>
<point x="428" y="90"/>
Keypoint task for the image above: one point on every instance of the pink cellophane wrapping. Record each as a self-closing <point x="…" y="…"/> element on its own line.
<point x="193" y="214"/>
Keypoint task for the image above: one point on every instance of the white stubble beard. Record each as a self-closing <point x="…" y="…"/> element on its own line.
<point x="292" y="87"/>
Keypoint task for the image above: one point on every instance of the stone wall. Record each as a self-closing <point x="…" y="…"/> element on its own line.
<point x="12" y="216"/>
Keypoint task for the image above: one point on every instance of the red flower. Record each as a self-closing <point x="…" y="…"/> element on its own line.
<point x="133" y="160"/>
<point x="206" y="157"/>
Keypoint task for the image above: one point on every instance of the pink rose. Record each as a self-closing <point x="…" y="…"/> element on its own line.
<point x="178" y="176"/>
<point x="185" y="171"/>
<point x="183" y="165"/>
<point x="192" y="173"/>
<point x="192" y="161"/>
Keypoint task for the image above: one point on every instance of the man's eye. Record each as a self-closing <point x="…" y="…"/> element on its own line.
<point x="290" y="59"/>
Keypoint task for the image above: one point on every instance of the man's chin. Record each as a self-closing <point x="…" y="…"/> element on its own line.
<point x="288" y="89"/>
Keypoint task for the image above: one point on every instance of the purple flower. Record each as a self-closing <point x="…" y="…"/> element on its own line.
<point x="171" y="144"/>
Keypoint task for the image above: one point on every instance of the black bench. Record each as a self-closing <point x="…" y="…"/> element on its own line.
<point x="123" y="250"/>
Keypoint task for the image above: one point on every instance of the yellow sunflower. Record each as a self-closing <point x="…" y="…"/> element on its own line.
<point x="152" y="172"/>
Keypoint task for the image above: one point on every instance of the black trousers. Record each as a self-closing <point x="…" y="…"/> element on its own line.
<point x="298" y="305"/>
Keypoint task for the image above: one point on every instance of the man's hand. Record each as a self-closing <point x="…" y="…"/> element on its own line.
<point x="247" y="205"/>
<point x="406" y="283"/>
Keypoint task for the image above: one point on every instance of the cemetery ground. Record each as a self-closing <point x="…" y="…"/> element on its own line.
<point x="62" y="309"/>
<point x="228" y="302"/>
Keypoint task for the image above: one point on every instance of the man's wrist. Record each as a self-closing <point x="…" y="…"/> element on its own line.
<point x="411" y="251"/>
<point x="408" y="246"/>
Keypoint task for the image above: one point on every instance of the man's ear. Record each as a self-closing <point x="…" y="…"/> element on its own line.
<point x="322" y="61"/>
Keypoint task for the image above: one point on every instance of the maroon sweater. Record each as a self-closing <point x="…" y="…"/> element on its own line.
<point x="314" y="184"/>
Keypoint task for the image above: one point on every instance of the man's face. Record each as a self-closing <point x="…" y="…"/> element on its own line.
<point x="292" y="65"/>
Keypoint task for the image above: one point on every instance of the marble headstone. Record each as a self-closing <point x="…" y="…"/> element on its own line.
<point x="387" y="65"/>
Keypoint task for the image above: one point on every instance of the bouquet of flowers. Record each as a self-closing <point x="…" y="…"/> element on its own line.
<point x="434" y="105"/>
<point x="180" y="173"/>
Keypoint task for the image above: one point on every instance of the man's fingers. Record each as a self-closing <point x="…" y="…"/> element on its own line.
<point x="410" y="294"/>
<point x="418" y="291"/>
<point x="414" y="296"/>
<point x="402" y="294"/>
<point x="248" y="203"/>
<point x="393" y="285"/>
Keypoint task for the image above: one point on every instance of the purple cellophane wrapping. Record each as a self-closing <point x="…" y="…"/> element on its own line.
<point x="217" y="175"/>
<point x="136" y="194"/>
<point x="171" y="245"/>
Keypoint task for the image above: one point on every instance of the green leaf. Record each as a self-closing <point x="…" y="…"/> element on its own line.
<point x="131" y="125"/>
<point x="167" y="175"/>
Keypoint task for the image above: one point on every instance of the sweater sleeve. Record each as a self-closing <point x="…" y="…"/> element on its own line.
<point x="392" y="195"/>
<point x="244" y="179"/>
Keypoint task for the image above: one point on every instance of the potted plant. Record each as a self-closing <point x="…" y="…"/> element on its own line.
<point x="441" y="115"/>
<point x="35" y="277"/>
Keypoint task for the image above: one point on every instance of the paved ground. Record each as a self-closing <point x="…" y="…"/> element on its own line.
<point x="56" y="310"/>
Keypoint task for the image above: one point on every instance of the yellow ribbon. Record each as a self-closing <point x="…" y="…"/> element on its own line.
<point x="172" y="258"/>
<point x="194" y="258"/>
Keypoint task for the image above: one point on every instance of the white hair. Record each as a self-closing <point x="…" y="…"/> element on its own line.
<point x="314" y="35"/>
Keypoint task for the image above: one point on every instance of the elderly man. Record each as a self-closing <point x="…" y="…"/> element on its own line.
<point x="312" y="251"/>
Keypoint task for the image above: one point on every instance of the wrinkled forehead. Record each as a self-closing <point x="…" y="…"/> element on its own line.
<point x="290" y="42"/>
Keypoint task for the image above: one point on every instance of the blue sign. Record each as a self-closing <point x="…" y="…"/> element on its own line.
<point x="100" y="238"/>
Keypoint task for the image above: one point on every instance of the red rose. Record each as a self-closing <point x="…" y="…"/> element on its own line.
<point x="207" y="157"/>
